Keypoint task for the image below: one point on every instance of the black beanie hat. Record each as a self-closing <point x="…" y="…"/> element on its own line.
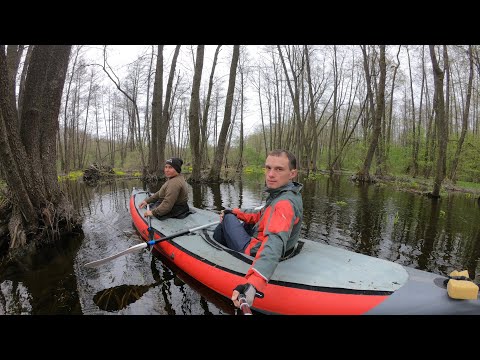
<point x="176" y="163"/>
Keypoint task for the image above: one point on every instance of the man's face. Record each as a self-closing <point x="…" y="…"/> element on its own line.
<point x="169" y="171"/>
<point x="277" y="172"/>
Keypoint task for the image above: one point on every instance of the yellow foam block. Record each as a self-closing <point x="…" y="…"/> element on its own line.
<point x="459" y="273"/>
<point x="462" y="289"/>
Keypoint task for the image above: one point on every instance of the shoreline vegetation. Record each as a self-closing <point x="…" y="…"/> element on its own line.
<point x="416" y="185"/>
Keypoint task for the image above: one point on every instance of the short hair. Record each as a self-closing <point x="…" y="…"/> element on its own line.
<point x="292" y="160"/>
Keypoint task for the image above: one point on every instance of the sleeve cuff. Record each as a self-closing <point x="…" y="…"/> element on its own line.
<point x="257" y="281"/>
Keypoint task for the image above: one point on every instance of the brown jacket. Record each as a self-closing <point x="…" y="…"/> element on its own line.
<point x="172" y="196"/>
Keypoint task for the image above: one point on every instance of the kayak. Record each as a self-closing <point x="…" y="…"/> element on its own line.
<point x="316" y="279"/>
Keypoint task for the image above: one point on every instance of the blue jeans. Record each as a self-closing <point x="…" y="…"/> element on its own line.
<point x="232" y="233"/>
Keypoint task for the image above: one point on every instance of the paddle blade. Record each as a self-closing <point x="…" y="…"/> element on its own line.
<point x="135" y="248"/>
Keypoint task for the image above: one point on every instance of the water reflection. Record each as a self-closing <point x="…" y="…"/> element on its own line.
<point x="434" y="235"/>
<point x="41" y="284"/>
<point x="119" y="297"/>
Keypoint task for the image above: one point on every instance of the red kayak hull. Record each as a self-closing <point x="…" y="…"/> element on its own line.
<point x="288" y="299"/>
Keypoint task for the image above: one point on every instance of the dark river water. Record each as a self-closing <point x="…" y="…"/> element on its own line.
<point x="434" y="235"/>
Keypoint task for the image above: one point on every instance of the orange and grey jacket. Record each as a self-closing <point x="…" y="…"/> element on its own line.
<point x="276" y="231"/>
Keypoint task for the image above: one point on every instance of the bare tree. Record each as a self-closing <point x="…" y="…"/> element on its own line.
<point x="414" y="132"/>
<point x="203" y="129"/>
<point x="312" y="125"/>
<point x="193" y="115"/>
<point x="157" y="99"/>
<point x="214" y="174"/>
<point x="162" y="128"/>
<point x="364" y="173"/>
<point x="296" y="67"/>
<point x="439" y="108"/>
<point x="136" y="115"/>
<point x="466" y="110"/>
<point x="388" y="138"/>
<point x="29" y="153"/>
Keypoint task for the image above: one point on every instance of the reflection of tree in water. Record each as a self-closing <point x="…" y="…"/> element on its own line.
<point x="217" y="196"/>
<point x="429" y="236"/>
<point x="43" y="280"/>
<point x="309" y="186"/>
<point x="119" y="297"/>
<point x="14" y="299"/>
<point x="166" y="291"/>
<point x="198" y="196"/>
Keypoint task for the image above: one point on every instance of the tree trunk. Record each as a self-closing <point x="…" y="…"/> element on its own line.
<point x="203" y="129"/>
<point x="414" y="132"/>
<point x="390" y="113"/>
<point x="29" y="154"/>
<point x="241" y="144"/>
<point x="464" y="118"/>
<point x="331" y="139"/>
<point x="364" y="173"/>
<point x="312" y="125"/>
<point x="165" y="122"/>
<point x="439" y="107"/>
<point x="193" y="115"/>
<point x="214" y="174"/>
<point x="295" y="95"/>
<point x="157" y="99"/>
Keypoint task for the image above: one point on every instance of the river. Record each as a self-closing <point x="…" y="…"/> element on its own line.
<point x="433" y="235"/>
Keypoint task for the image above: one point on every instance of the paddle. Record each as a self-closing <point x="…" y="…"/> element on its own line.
<point x="144" y="245"/>
<point x="150" y="230"/>
<point x="244" y="305"/>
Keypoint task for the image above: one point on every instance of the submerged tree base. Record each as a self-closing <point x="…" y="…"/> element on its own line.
<point x="54" y="224"/>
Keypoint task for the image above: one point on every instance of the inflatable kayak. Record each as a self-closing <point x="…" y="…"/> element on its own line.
<point x="316" y="279"/>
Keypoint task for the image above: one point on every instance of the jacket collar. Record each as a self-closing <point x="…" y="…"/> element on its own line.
<point x="291" y="186"/>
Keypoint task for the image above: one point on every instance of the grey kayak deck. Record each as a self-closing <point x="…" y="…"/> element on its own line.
<point x="419" y="297"/>
<point x="316" y="264"/>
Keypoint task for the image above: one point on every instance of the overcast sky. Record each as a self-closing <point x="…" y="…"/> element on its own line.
<point x="119" y="56"/>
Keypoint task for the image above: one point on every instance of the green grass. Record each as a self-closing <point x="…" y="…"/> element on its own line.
<point x="254" y="170"/>
<point x="468" y="185"/>
<point x="72" y="175"/>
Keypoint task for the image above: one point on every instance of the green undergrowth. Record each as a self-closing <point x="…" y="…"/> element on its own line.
<point x="72" y="175"/>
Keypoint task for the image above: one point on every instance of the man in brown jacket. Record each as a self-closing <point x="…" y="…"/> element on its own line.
<point x="171" y="200"/>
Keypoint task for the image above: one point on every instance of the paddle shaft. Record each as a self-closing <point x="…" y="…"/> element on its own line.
<point x="180" y="233"/>
<point x="146" y="244"/>
<point x="150" y="230"/>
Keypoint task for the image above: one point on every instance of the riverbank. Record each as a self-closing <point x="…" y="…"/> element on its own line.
<point x="424" y="186"/>
<point x="417" y="185"/>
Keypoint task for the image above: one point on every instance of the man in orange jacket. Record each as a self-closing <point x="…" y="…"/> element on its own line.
<point x="267" y="234"/>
